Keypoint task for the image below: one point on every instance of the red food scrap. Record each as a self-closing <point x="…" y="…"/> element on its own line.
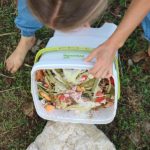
<point x="99" y="94"/>
<point x="84" y="77"/>
<point x="112" y="81"/>
<point x="61" y="97"/>
<point x="99" y="99"/>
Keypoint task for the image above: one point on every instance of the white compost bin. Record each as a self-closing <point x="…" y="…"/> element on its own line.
<point x="67" y="51"/>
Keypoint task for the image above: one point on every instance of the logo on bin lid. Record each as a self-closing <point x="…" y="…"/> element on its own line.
<point x="68" y="56"/>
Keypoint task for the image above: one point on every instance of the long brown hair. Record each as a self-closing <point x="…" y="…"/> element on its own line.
<point x="67" y="14"/>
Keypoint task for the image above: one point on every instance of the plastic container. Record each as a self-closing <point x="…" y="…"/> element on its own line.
<point x="72" y="57"/>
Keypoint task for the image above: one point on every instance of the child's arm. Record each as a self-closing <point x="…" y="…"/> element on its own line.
<point x="105" y="53"/>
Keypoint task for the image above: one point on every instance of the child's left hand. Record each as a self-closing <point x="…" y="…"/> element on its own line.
<point x="104" y="55"/>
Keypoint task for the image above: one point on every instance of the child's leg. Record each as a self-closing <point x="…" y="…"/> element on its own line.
<point x="16" y="59"/>
<point x="146" y="28"/>
<point x="28" y="26"/>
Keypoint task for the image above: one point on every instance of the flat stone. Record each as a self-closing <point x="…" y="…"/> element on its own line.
<point x="68" y="136"/>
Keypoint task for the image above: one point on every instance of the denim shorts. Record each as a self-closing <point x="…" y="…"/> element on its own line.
<point x="25" y="21"/>
<point x="146" y="27"/>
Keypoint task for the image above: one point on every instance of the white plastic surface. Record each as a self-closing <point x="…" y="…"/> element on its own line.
<point x="87" y="37"/>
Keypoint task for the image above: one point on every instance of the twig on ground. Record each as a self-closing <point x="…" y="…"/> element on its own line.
<point x="27" y="65"/>
<point x="118" y="16"/>
<point x="2" y="91"/>
<point x="5" y="34"/>
<point x="3" y="75"/>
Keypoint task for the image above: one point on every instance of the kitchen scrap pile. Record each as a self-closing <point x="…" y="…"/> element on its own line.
<point x="74" y="90"/>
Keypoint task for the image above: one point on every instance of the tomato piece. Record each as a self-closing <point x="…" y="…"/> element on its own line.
<point x="112" y="81"/>
<point x="100" y="99"/>
<point x="99" y="94"/>
<point x="61" y="97"/>
<point x="84" y="77"/>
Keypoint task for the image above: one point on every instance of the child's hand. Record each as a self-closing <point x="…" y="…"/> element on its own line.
<point x="104" y="55"/>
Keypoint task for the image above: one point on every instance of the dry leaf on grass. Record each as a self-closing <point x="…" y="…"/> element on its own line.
<point x="135" y="137"/>
<point x="146" y="126"/>
<point x="133" y="98"/>
<point x="116" y="12"/>
<point x="28" y="109"/>
<point x="8" y="81"/>
<point x="139" y="56"/>
<point x="130" y="62"/>
<point x="146" y="65"/>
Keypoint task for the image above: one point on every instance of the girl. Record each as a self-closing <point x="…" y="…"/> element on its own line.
<point x="57" y="14"/>
<point x="69" y="14"/>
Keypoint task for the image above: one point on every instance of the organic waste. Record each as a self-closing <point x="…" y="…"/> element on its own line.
<point x="77" y="90"/>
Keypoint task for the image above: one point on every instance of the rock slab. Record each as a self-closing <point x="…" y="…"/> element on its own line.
<point x="68" y="136"/>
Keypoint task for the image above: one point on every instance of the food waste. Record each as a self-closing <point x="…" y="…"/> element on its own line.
<point x="74" y="90"/>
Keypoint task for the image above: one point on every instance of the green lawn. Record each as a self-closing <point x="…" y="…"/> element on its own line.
<point x="129" y="131"/>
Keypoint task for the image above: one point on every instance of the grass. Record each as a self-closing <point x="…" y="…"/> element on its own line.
<point x="128" y="131"/>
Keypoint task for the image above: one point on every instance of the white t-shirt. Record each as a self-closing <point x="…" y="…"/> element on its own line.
<point x="83" y="37"/>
